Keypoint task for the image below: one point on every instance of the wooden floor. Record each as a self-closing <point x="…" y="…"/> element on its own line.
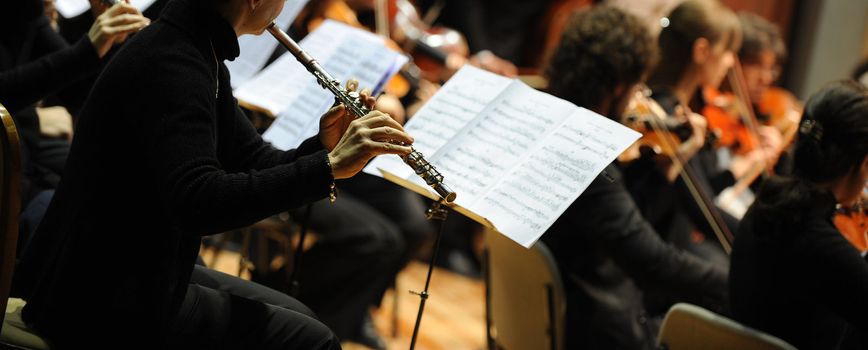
<point x="454" y="316"/>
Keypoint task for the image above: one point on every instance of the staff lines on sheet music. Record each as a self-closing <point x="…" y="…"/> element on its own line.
<point x="525" y="189"/>
<point x="527" y="132"/>
<point x="490" y="139"/>
<point x="566" y="163"/>
<point x="466" y="170"/>
<point x="449" y="109"/>
<point x="457" y="93"/>
<point x="539" y="112"/>
<point x="534" y="174"/>
<point x="594" y="136"/>
<point x="515" y="214"/>
<point x="582" y="141"/>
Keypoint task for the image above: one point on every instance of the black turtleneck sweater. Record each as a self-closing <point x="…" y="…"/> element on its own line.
<point x="162" y="155"/>
<point x="795" y="276"/>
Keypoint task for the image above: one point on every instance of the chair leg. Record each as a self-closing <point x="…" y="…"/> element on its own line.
<point x="553" y="332"/>
<point x="244" y="261"/>
<point x="395" y="302"/>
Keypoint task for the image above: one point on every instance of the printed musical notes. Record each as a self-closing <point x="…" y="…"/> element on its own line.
<point x="515" y="156"/>
<point x="288" y="91"/>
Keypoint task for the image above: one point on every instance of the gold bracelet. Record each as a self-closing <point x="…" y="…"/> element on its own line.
<point x="333" y="190"/>
<point x="333" y="193"/>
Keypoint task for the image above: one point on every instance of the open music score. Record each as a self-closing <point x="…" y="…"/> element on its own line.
<point x="256" y="49"/>
<point x="286" y="90"/>
<point x="518" y="157"/>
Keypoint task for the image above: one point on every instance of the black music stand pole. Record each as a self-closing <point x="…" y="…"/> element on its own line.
<point x="437" y="212"/>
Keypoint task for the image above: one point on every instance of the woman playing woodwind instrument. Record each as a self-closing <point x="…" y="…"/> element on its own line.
<point x="188" y="164"/>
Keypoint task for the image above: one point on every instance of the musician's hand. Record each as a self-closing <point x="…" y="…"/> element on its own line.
<point x="114" y="25"/>
<point x="374" y="134"/>
<point x="334" y="123"/>
<point x="771" y="142"/>
<point x="699" y="127"/>
<point x="54" y="122"/>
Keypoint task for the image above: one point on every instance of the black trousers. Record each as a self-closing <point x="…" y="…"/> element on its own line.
<point x="402" y="207"/>
<point x="225" y="312"/>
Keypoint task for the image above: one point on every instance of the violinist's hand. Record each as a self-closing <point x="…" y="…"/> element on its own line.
<point x="699" y="127"/>
<point x="487" y="60"/>
<point x="374" y="134"/>
<point x="54" y="122"/>
<point x="771" y="142"/>
<point x="114" y="25"/>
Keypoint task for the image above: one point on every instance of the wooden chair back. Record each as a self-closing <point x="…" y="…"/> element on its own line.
<point x="526" y="298"/>
<point x="10" y="203"/>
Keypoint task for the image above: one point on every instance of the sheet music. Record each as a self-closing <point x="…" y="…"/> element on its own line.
<point x="538" y="190"/>
<point x="497" y="139"/>
<point x="521" y="160"/>
<point x="291" y="93"/>
<point x="450" y="110"/>
<point x="72" y="8"/>
<point x="256" y="49"/>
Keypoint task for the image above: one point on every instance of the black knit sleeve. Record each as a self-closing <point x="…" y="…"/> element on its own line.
<point x="250" y="151"/>
<point x="618" y="226"/>
<point x="27" y="83"/>
<point x="200" y="194"/>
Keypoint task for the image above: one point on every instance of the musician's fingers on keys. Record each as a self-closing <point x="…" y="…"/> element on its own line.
<point x="352" y="85"/>
<point x="376" y="119"/>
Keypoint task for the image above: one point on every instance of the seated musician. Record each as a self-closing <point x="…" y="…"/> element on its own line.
<point x="793" y="274"/>
<point x="608" y="253"/>
<point x="761" y="55"/>
<point x="188" y="164"/>
<point x="35" y="62"/>
<point x="697" y="47"/>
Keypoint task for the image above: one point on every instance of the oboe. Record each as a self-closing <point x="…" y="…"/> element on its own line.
<point x="354" y="104"/>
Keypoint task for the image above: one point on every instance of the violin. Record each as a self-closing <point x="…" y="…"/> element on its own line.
<point x="782" y="110"/>
<point x="724" y="119"/>
<point x="667" y="136"/>
<point x="642" y="115"/>
<point x="439" y="51"/>
<point x="736" y="126"/>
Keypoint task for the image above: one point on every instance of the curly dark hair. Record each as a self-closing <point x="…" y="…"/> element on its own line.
<point x="600" y="49"/>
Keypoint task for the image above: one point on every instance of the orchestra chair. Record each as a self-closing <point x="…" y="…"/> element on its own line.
<point x="525" y="296"/>
<point x="689" y="326"/>
<point x="14" y="334"/>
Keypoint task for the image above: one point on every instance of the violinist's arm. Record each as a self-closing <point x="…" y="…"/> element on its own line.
<point x="614" y="219"/>
<point x="688" y="148"/>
